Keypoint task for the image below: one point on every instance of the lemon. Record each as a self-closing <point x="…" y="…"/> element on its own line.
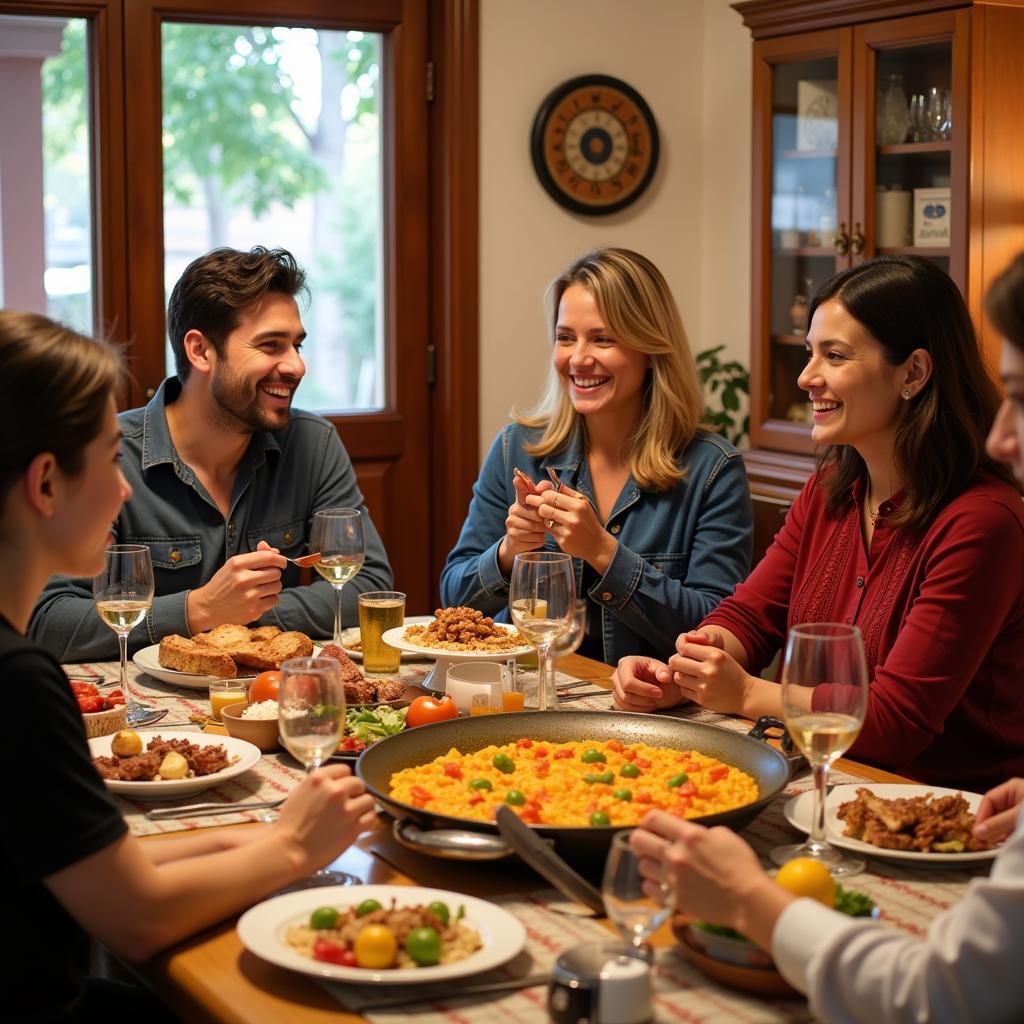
<point x="805" y="876"/>
<point x="375" y="946"/>
<point x="127" y="743"/>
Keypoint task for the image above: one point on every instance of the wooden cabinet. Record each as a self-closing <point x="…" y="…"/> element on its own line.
<point x="861" y="112"/>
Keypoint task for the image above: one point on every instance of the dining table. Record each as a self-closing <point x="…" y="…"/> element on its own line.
<point x="211" y="976"/>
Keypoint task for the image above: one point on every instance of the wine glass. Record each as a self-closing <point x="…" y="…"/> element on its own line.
<point x="935" y="111"/>
<point x="123" y="593"/>
<point x="338" y="536"/>
<point x="542" y="599"/>
<point x="629" y="908"/>
<point x="311" y="719"/>
<point x="569" y="642"/>
<point x="824" y="699"/>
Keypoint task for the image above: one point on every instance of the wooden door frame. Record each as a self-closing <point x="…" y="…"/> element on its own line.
<point x="454" y="271"/>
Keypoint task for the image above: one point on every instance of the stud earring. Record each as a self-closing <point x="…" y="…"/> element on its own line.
<point x="907" y="395"/>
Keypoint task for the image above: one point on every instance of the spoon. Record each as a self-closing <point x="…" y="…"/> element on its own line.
<point x="304" y="561"/>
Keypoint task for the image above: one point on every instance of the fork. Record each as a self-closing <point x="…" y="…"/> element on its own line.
<point x="304" y="561"/>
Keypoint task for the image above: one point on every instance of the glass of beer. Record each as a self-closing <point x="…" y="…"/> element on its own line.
<point x="379" y="611"/>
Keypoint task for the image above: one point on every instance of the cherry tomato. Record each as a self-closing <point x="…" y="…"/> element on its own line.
<point x="265" y="687"/>
<point x="614" y="745"/>
<point x="375" y="946"/>
<point x="90" y="705"/>
<point x="452" y="770"/>
<point x="718" y="772"/>
<point x="428" y="710"/>
<point x="560" y="755"/>
<point x="524" y="742"/>
<point x="424" y="946"/>
<point x="80" y="689"/>
<point x="331" y="953"/>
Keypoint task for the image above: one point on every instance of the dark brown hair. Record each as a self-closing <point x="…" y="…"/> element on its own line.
<point x="1005" y="302"/>
<point x="55" y="385"/>
<point x="214" y="289"/>
<point x="906" y="303"/>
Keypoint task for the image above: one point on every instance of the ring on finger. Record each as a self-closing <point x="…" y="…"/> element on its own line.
<point x="549" y="523"/>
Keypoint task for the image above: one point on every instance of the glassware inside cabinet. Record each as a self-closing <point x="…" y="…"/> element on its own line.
<point x="912" y="175"/>
<point x="805" y="144"/>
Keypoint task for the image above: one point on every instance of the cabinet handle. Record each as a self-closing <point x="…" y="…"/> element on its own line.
<point x="842" y="239"/>
<point x="857" y="240"/>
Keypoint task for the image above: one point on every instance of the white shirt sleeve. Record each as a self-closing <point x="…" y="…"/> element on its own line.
<point x="969" y="967"/>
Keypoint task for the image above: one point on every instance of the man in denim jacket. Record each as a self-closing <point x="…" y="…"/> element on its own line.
<point x="679" y="552"/>
<point x="225" y="477"/>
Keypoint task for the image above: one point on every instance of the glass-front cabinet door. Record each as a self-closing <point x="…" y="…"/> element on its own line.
<point x="909" y="149"/>
<point x="804" y="225"/>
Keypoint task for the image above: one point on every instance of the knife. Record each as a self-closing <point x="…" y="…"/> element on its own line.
<point x="446" y="994"/>
<point x="543" y="859"/>
<point x="198" y="810"/>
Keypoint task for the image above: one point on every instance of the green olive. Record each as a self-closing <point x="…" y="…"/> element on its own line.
<point x="367" y="907"/>
<point x="623" y="794"/>
<point x="440" y="911"/>
<point x="678" y="780"/>
<point x="592" y="756"/>
<point x="503" y="763"/>
<point x="516" y="797"/>
<point x="481" y="784"/>
<point x="629" y="771"/>
<point x="323" y="918"/>
<point x="599" y="819"/>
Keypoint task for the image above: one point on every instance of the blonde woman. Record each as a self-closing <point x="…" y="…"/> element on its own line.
<point x="655" y="512"/>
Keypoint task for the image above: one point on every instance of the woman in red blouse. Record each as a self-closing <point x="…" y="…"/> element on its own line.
<point x="907" y="529"/>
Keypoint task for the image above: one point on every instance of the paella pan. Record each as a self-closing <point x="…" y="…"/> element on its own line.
<point x="764" y="763"/>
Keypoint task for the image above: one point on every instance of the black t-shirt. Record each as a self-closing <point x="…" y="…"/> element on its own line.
<point x="57" y="812"/>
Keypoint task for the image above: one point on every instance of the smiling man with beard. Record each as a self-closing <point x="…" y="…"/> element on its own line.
<point x="226" y="476"/>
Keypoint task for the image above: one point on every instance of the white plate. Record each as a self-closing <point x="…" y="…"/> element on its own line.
<point x="799" y="812"/>
<point x="396" y="638"/>
<point x="168" y="789"/>
<point x="148" y="660"/>
<point x="351" y="636"/>
<point x="262" y="930"/>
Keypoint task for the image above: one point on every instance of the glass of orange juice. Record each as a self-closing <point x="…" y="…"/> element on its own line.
<point x="224" y="692"/>
<point x="513" y="699"/>
<point x="483" y="705"/>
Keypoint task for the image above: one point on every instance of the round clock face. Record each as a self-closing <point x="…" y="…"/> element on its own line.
<point x="594" y="144"/>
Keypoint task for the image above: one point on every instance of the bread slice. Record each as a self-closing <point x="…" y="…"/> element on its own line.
<point x="288" y="645"/>
<point x="184" y="655"/>
<point x="226" y="635"/>
<point x="263" y="633"/>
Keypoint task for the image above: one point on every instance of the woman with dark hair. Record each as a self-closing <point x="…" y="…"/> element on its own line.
<point x="68" y="861"/>
<point x="900" y="530"/>
<point x="967" y="966"/>
<point x="655" y="511"/>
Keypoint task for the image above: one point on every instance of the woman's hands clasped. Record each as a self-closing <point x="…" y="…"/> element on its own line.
<point x="706" y="673"/>
<point x="570" y="518"/>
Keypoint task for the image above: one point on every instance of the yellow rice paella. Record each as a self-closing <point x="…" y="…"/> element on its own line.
<point x="585" y="782"/>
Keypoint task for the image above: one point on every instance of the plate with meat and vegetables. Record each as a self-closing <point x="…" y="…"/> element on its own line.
<point x="396" y="934"/>
<point x="170" y="764"/>
<point x="928" y="824"/>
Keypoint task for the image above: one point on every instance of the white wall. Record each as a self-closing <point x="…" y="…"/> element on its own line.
<point x="690" y="59"/>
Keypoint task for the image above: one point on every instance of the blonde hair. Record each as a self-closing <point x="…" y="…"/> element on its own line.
<point x="635" y="302"/>
<point x="55" y="384"/>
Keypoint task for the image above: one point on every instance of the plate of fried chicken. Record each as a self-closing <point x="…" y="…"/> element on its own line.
<point x="928" y="824"/>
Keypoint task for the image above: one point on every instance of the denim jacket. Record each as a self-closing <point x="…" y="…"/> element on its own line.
<point x="680" y="552"/>
<point x="283" y="478"/>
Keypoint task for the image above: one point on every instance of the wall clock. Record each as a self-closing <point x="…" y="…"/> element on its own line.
<point x="594" y="144"/>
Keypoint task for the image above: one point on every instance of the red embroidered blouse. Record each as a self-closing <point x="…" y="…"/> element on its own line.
<point x="942" y="614"/>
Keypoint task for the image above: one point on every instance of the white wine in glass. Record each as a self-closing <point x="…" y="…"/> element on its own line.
<point x="542" y="600"/>
<point x="123" y="593"/>
<point x="824" y="700"/>
<point x="311" y="719"/>
<point x="338" y="535"/>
